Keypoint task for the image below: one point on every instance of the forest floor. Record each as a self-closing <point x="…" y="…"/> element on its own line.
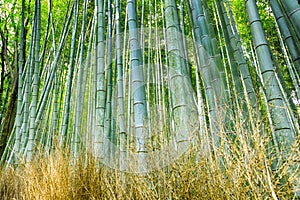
<point x="246" y="174"/>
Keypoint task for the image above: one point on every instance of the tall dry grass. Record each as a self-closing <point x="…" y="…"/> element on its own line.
<point x="247" y="170"/>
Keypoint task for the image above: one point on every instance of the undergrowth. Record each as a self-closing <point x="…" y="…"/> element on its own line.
<point x="237" y="170"/>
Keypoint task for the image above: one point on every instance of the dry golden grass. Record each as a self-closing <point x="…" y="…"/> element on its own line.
<point x="246" y="173"/>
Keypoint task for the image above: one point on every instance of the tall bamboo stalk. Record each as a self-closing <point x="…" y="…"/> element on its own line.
<point x="33" y="106"/>
<point x="121" y="98"/>
<point x="108" y="106"/>
<point x="292" y="10"/>
<point x="67" y="104"/>
<point x="138" y="85"/>
<point x="283" y="131"/>
<point x="100" y="93"/>
<point x="20" y="84"/>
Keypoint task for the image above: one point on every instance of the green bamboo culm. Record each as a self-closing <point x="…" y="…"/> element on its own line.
<point x="212" y="74"/>
<point x="182" y="105"/>
<point x="80" y="83"/>
<point x="100" y="88"/>
<point x="108" y="112"/>
<point x="20" y="85"/>
<point x="121" y="98"/>
<point x="292" y="10"/>
<point x="134" y="86"/>
<point x="67" y="100"/>
<point x="283" y="131"/>
<point x="138" y="86"/>
<point x="287" y="35"/>
<point x="33" y="106"/>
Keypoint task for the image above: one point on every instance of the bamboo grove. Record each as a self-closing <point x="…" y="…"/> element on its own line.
<point x="137" y="83"/>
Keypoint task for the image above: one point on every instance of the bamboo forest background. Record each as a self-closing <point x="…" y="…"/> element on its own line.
<point x="137" y="84"/>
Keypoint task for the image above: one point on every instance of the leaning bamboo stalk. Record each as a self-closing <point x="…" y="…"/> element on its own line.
<point x="182" y="100"/>
<point x="231" y="72"/>
<point x="268" y="74"/>
<point x="57" y="56"/>
<point x="87" y="80"/>
<point x="20" y="84"/>
<point x="244" y="69"/>
<point x="47" y="35"/>
<point x="67" y="104"/>
<point x="294" y="75"/>
<point x="24" y="128"/>
<point x="45" y="139"/>
<point x="79" y="94"/>
<point x="184" y="39"/>
<point x="209" y="72"/>
<point x="33" y="106"/>
<point x="287" y="35"/>
<point x="284" y="135"/>
<point x="292" y="10"/>
<point x="249" y="96"/>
